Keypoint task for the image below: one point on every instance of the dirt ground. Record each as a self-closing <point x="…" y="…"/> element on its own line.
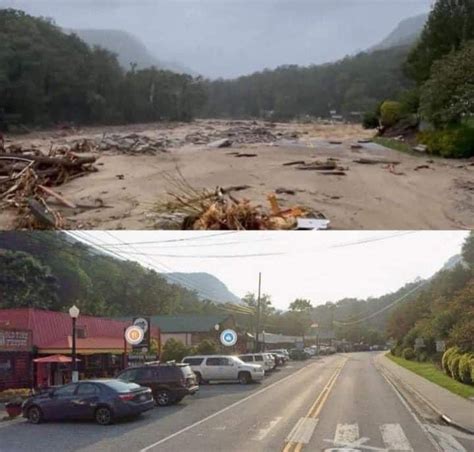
<point x="127" y="190"/>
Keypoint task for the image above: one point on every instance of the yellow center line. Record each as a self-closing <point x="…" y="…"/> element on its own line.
<point x="317" y="406"/>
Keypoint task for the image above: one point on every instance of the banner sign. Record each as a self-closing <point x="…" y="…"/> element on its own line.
<point x="15" y="340"/>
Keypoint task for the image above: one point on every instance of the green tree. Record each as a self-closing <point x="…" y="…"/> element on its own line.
<point x="25" y="282"/>
<point x="450" y="24"/>
<point x="448" y="95"/>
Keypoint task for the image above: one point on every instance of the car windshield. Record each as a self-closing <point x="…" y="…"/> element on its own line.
<point x="237" y="359"/>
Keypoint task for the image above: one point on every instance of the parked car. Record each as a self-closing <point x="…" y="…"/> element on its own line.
<point x="169" y="382"/>
<point x="102" y="400"/>
<point x="280" y="359"/>
<point x="298" y="354"/>
<point x="266" y="360"/>
<point x="223" y="367"/>
<point x="310" y="351"/>
<point x="282" y="351"/>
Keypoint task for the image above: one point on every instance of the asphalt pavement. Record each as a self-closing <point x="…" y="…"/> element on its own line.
<point x="335" y="403"/>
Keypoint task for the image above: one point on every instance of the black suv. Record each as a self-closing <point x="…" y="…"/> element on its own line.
<point x="168" y="382"/>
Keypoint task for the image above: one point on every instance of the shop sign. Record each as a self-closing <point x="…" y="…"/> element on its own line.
<point x="228" y="338"/>
<point x="134" y="335"/>
<point x="15" y="340"/>
<point x="144" y="324"/>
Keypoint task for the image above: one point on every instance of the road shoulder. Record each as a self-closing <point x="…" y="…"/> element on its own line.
<point x="432" y="400"/>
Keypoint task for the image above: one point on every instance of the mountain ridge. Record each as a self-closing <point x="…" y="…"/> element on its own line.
<point x="206" y="285"/>
<point x="128" y="48"/>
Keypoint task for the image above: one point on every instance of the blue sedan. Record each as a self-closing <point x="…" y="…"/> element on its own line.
<point x="101" y="400"/>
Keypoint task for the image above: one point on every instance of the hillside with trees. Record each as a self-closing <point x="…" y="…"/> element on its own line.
<point x="442" y="66"/>
<point x="47" y="77"/>
<point x="354" y="84"/>
<point x="128" y="48"/>
<point x="50" y="270"/>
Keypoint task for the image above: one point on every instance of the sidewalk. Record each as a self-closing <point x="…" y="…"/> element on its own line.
<point x="457" y="409"/>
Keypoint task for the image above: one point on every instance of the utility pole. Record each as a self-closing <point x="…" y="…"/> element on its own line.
<point x="257" y="344"/>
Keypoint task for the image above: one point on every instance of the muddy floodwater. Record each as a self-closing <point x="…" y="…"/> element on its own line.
<point x="327" y="168"/>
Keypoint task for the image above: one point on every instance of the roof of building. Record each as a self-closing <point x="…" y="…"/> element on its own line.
<point x="188" y="323"/>
<point x="51" y="329"/>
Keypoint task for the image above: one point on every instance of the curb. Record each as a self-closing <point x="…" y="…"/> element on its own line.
<point x="443" y="417"/>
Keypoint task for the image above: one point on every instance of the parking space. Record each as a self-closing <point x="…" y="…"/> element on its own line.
<point x="20" y="435"/>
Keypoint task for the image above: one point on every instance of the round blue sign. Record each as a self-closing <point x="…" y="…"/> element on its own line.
<point x="228" y="338"/>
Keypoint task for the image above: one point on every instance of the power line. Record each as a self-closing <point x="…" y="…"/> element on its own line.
<point x="389" y="306"/>
<point x="188" y="239"/>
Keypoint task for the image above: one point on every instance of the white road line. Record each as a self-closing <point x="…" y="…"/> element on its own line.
<point x="302" y="431"/>
<point x="394" y="437"/>
<point x="263" y="432"/>
<point x="428" y="434"/>
<point x="229" y="407"/>
<point x="346" y="434"/>
<point x="448" y="443"/>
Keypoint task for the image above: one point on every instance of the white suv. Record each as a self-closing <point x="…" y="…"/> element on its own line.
<point x="266" y="360"/>
<point x="223" y="367"/>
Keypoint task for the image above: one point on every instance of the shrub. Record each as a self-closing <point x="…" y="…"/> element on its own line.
<point x="465" y="367"/>
<point x="390" y="113"/>
<point x="445" y="359"/>
<point x="408" y="353"/>
<point x="174" y="350"/>
<point x="206" y="347"/>
<point x="421" y="356"/>
<point x="454" y="366"/>
<point x="471" y="365"/>
<point x="13" y="394"/>
<point x="453" y="142"/>
<point x="397" y="350"/>
<point x="370" y="120"/>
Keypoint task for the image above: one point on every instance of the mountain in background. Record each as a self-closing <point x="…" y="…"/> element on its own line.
<point x="128" y="48"/>
<point x="406" y="33"/>
<point x="207" y="286"/>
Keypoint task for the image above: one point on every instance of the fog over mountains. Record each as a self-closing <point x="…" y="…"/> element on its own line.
<point x="227" y="38"/>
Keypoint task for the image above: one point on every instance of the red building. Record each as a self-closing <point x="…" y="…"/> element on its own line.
<point x="100" y="347"/>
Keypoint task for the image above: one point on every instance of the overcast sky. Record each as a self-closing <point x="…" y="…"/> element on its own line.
<point x="233" y="37"/>
<point x="319" y="266"/>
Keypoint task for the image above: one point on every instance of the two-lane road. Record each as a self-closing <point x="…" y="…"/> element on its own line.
<point x="340" y="402"/>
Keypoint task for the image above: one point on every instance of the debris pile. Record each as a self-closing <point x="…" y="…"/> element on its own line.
<point x="26" y="178"/>
<point x="134" y="144"/>
<point x="220" y="210"/>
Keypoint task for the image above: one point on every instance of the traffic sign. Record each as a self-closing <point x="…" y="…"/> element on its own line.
<point x="134" y="335"/>
<point x="228" y="338"/>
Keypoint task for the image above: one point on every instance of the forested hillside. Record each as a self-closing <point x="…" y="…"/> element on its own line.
<point x="128" y="48"/>
<point x="211" y="287"/>
<point x="51" y="270"/>
<point x="406" y="33"/>
<point x="354" y="84"/>
<point x="47" y="76"/>
<point x="444" y="310"/>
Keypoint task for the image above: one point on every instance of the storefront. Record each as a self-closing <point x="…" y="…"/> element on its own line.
<point x="100" y="347"/>
<point x="15" y="358"/>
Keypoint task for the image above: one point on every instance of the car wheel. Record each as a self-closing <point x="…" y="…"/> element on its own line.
<point x="198" y="378"/>
<point x="103" y="415"/>
<point x="163" y="397"/>
<point x="244" y="378"/>
<point x="35" y="415"/>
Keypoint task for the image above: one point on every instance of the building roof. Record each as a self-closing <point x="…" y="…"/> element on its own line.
<point x="51" y="329"/>
<point x="188" y="323"/>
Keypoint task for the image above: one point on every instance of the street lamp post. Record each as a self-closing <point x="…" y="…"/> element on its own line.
<point x="74" y="314"/>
